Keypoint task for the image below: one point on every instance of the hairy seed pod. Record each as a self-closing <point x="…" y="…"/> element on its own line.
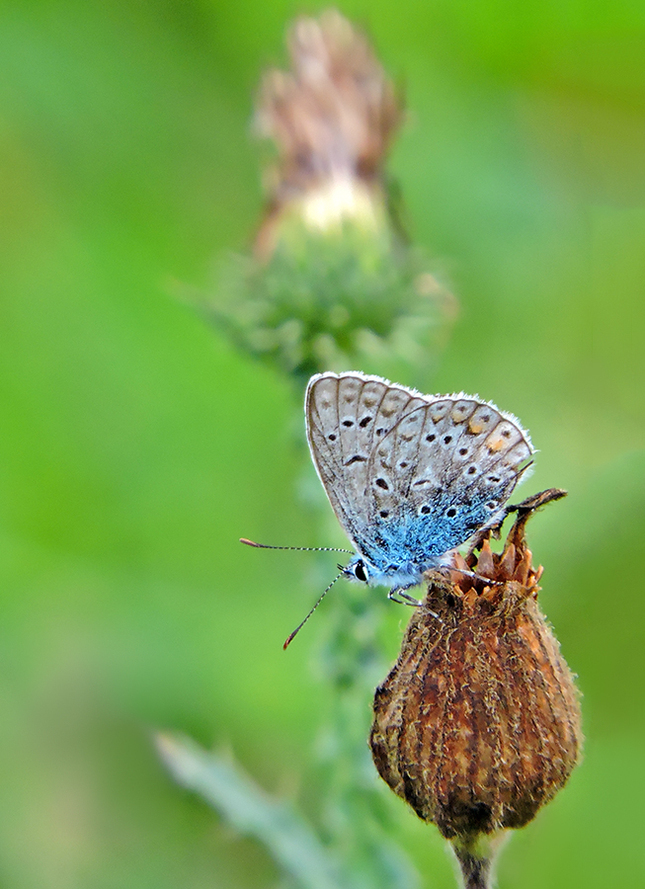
<point x="478" y="723"/>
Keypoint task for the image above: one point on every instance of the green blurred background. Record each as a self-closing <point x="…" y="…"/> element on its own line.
<point x="136" y="446"/>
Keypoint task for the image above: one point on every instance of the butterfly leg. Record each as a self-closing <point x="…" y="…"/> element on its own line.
<point x="399" y="596"/>
<point x="475" y="576"/>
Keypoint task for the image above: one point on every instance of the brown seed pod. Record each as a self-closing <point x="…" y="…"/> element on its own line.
<point x="478" y="723"/>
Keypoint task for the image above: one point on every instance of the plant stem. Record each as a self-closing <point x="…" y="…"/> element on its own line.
<point x="476" y="856"/>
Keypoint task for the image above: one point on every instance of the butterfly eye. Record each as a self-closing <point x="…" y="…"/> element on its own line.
<point x="360" y="572"/>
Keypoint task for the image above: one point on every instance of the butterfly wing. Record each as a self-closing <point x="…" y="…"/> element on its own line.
<point x="442" y="473"/>
<point x="347" y="415"/>
<point x="409" y="476"/>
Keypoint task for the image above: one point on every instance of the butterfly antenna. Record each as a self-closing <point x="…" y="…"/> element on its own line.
<point x="305" y="549"/>
<point x="291" y="636"/>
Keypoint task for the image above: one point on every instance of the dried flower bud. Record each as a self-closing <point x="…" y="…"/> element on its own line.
<point x="478" y="723"/>
<point x="332" y="118"/>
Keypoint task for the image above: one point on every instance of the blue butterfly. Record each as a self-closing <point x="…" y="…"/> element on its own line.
<point x="410" y="477"/>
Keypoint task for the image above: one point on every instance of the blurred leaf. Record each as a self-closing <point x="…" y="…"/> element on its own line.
<point x="285" y="835"/>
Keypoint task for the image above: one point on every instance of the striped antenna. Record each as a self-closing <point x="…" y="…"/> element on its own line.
<point x="305" y="549"/>
<point x="290" y="637"/>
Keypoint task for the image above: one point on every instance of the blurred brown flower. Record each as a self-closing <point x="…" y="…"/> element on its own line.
<point x="332" y="118"/>
<point x="478" y="723"/>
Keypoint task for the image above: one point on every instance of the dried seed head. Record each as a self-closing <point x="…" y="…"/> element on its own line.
<point x="478" y="723"/>
<point x="335" y="112"/>
<point x="332" y="118"/>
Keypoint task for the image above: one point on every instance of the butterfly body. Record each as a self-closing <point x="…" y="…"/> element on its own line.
<point x="411" y="477"/>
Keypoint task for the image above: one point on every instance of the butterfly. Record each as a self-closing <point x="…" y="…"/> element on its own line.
<point x="411" y="477"/>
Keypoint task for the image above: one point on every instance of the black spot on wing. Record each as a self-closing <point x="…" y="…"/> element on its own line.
<point x="357" y="458"/>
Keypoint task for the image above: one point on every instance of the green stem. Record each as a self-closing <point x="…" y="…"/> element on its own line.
<point x="476" y="856"/>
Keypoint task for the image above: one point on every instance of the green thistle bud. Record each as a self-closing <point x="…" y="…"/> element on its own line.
<point x="332" y="282"/>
